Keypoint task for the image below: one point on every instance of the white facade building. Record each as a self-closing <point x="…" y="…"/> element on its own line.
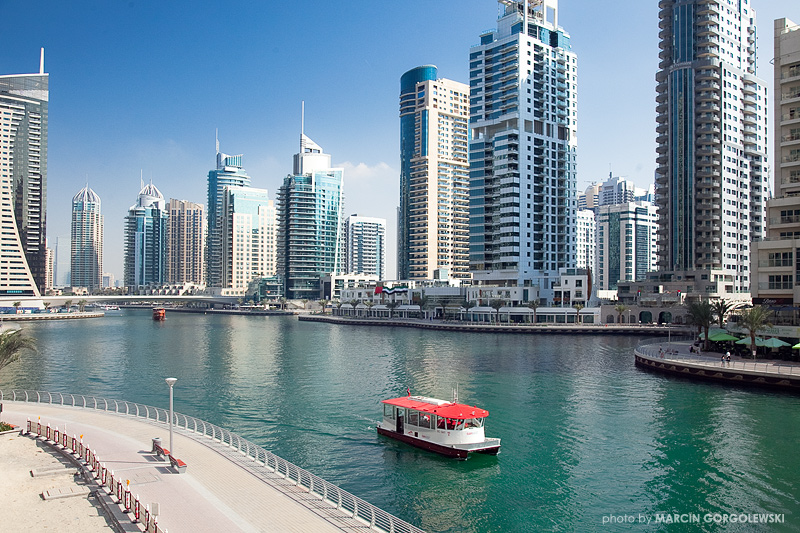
<point x="523" y="121"/>
<point x="586" y="241"/>
<point x="626" y="243"/>
<point x="366" y="245"/>
<point x="249" y="232"/>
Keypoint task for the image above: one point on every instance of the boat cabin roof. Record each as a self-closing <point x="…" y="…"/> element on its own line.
<point x="441" y="408"/>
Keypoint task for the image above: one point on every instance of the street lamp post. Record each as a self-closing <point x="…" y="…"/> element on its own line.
<point x="170" y="382"/>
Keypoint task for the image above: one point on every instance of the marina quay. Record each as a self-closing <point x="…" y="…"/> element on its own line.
<point x="222" y="482"/>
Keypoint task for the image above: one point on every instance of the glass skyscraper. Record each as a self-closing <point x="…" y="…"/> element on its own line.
<point x="248" y="236"/>
<point x="186" y="236"/>
<point x="711" y="175"/>
<point x="87" y="241"/>
<point x="310" y="222"/>
<point x="523" y="142"/>
<point x="229" y="172"/>
<point x="23" y="175"/>
<point x="146" y="240"/>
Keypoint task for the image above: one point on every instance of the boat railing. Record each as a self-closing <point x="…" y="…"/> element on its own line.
<point x="253" y="457"/>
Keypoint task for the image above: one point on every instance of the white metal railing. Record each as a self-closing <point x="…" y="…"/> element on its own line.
<point x="665" y="352"/>
<point x="251" y="454"/>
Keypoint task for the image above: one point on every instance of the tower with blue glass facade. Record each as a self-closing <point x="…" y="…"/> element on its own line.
<point x="433" y="228"/>
<point x="229" y="173"/>
<point x="711" y="162"/>
<point x="310" y="206"/>
<point x="523" y="142"/>
<point x="86" y="265"/>
<point x="146" y="240"/>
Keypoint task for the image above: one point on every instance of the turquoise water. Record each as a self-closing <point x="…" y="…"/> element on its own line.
<point x="585" y="434"/>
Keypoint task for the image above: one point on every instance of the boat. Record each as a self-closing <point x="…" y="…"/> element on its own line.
<point x="159" y="313"/>
<point x="449" y="428"/>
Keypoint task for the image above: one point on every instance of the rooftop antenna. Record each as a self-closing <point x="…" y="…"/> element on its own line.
<point x="216" y="137"/>
<point x="41" y="61"/>
<point x="302" y="125"/>
<point x="141" y="179"/>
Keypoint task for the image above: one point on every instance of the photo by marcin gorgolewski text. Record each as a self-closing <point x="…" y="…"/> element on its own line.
<point x="694" y="518"/>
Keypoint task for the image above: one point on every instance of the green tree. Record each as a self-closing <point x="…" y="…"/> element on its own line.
<point x="82" y="305"/>
<point x="338" y="304"/>
<point x="67" y="304"/>
<point x="578" y="308"/>
<point x="752" y="320"/>
<point x="16" y="306"/>
<point x="468" y="305"/>
<point x="305" y="301"/>
<point x="620" y="308"/>
<point x="534" y="304"/>
<point x="323" y="303"/>
<point x="12" y="343"/>
<point x="392" y="306"/>
<point x="354" y="303"/>
<point x="369" y="304"/>
<point x="701" y="315"/>
<point x="282" y="301"/>
<point x="46" y="305"/>
<point x="721" y="308"/>
<point x="496" y="305"/>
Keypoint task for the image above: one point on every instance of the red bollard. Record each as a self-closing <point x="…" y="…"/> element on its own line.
<point x="29" y="426"/>
<point x="47" y="432"/>
<point x="147" y="518"/>
<point x="39" y="428"/>
<point x="74" y="444"/>
<point x="137" y="509"/>
<point x="56" y="436"/>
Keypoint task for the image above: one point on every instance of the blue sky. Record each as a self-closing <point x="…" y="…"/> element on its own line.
<point x="140" y="86"/>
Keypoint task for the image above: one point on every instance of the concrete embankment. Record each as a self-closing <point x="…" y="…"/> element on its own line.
<point x="676" y="359"/>
<point x="561" y="329"/>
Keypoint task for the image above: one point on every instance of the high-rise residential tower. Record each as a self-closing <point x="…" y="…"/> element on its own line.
<point x="87" y="241"/>
<point x="626" y="242"/>
<point x="523" y="121"/>
<point x="366" y="245"/>
<point x="23" y="174"/>
<point x="248" y="236"/>
<point x="146" y="240"/>
<point x="433" y="226"/>
<point x="776" y="260"/>
<point x="186" y="240"/>
<point x="310" y="222"/>
<point x="711" y="175"/>
<point x="229" y="172"/>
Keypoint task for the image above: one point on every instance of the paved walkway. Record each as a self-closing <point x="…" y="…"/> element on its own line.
<point x="679" y="352"/>
<point x="214" y="494"/>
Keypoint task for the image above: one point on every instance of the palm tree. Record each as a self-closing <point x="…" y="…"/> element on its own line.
<point x="701" y="315"/>
<point x="323" y="303"/>
<point x="46" y="305"/>
<point x="392" y="305"/>
<point x="496" y="305"/>
<point x="578" y="308"/>
<point x="305" y="301"/>
<point x="534" y="304"/>
<point x="423" y="305"/>
<point x="82" y="305"/>
<point x="338" y="304"/>
<point x="12" y="343"/>
<point x="67" y="304"/>
<point x="620" y="308"/>
<point x="721" y="308"/>
<point x="16" y="306"/>
<point x="354" y="303"/>
<point x="468" y="305"/>
<point x="369" y="304"/>
<point x="754" y="319"/>
<point x="282" y="301"/>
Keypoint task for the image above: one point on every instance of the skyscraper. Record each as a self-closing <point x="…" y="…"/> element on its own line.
<point x="433" y="227"/>
<point x="711" y="176"/>
<point x="23" y="174"/>
<point x="626" y="242"/>
<point x="366" y="245"/>
<point x="87" y="241"/>
<point x="248" y="236"/>
<point x="146" y="240"/>
<point x="63" y="261"/>
<point x="186" y="239"/>
<point x="523" y="119"/>
<point x="310" y="222"/>
<point x="229" y="172"/>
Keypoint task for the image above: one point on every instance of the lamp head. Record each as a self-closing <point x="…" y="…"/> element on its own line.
<point x="171" y="381"/>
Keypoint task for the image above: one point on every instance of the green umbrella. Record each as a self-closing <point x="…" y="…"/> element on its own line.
<point x="722" y="336"/>
<point x="774" y="342"/>
<point x="796" y="346"/>
<point x="746" y="340"/>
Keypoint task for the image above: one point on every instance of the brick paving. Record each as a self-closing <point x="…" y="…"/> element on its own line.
<point x="216" y="493"/>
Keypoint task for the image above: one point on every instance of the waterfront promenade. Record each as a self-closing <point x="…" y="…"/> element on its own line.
<point x="482" y="327"/>
<point x="675" y="358"/>
<point x="221" y="490"/>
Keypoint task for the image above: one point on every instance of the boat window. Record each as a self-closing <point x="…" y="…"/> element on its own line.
<point x="440" y="422"/>
<point x="474" y="423"/>
<point x="413" y="418"/>
<point x="400" y="412"/>
<point x="388" y="410"/>
<point x="459" y="424"/>
<point x="425" y="420"/>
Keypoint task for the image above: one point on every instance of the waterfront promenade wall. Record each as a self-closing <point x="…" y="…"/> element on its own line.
<point x="229" y="482"/>
<point x="676" y="359"/>
<point x="479" y="327"/>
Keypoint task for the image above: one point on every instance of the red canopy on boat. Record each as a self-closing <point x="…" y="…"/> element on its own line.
<point x="447" y="410"/>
